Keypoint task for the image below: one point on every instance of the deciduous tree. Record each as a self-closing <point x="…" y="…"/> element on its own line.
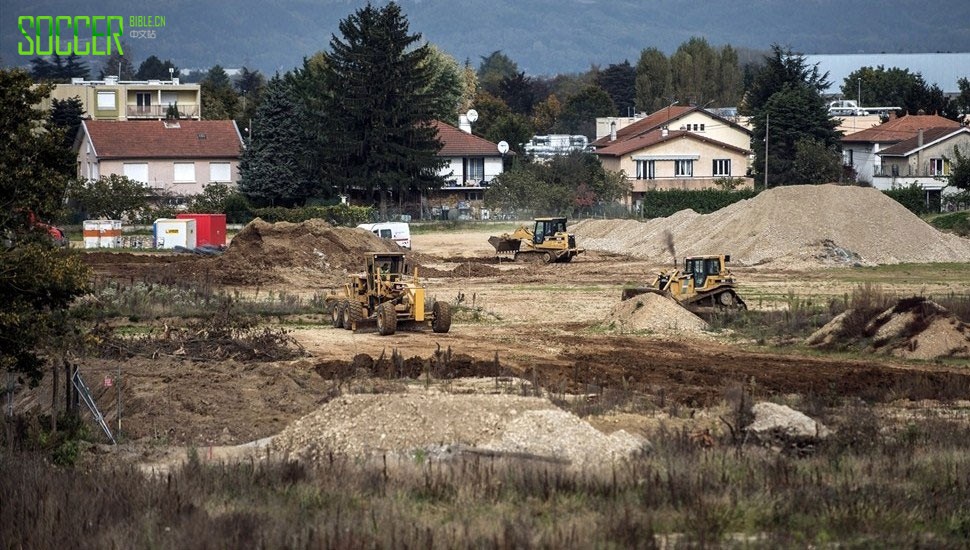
<point x="580" y="111"/>
<point x="653" y="83"/>
<point x="37" y="280"/>
<point x="113" y="197"/>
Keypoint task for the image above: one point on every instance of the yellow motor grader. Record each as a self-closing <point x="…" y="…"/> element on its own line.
<point x="705" y="286"/>
<point x="387" y="295"/>
<point x="547" y="242"/>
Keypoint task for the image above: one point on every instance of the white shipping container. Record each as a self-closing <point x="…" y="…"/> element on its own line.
<point x="170" y="233"/>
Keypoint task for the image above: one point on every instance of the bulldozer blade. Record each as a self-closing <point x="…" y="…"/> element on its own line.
<point x="504" y="245"/>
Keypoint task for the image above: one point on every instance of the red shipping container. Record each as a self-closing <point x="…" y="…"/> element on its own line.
<point x="210" y="229"/>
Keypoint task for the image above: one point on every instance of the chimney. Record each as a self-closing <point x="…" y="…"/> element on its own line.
<point x="663" y="132"/>
<point x="919" y="138"/>
<point x="613" y="130"/>
<point x="464" y="125"/>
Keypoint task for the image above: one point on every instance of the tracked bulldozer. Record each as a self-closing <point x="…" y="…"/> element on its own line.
<point x="705" y="286"/>
<point x="547" y="242"/>
<point x="386" y="295"/>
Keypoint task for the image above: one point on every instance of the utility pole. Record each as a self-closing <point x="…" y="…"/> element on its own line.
<point x="767" y="120"/>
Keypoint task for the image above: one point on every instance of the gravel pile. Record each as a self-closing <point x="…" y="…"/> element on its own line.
<point x="557" y="433"/>
<point x="800" y="226"/>
<point x="366" y="425"/>
<point x="655" y="313"/>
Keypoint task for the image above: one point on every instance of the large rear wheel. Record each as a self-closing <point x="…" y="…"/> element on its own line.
<point x="441" y="317"/>
<point x="337" y="314"/>
<point x="386" y="319"/>
<point x="353" y="313"/>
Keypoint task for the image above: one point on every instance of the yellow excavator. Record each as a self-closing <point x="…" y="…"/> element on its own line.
<point x="547" y="242"/>
<point x="705" y="286"/>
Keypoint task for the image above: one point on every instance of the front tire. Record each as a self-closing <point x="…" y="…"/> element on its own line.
<point x="441" y="317"/>
<point x="337" y="314"/>
<point x="386" y="319"/>
<point x="353" y="313"/>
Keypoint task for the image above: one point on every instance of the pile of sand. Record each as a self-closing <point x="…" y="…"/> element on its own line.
<point x="655" y="313"/>
<point x="800" y="226"/>
<point x="367" y="425"/>
<point x="914" y="328"/>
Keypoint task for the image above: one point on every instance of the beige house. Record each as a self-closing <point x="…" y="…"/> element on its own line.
<point x="677" y="148"/>
<point x="172" y="157"/>
<point x="923" y="159"/>
<point x="113" y="99"/>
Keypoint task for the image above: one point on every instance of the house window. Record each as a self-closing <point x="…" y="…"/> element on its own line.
<point x="106" y="101"/>
<point x="646" y="170"/>
<point x="702" y="127"/>
<point x="144" y="101"/>
<point x="474" y="168"/>
<point x="937" y="167"/>
<point x="220" y="172"/>
<point x="184" y="172"/>
<point x="722" y="167"/>
<point x="137" y="171"/>
<point x="683" y="168"/>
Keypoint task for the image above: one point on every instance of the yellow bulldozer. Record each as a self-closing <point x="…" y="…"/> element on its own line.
<point x="705" y="286"/>
<point x="547" y="242"/>
<point x="387" y="295"/>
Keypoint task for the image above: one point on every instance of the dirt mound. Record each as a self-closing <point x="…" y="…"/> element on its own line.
<point x="800" y="226"/>
<point x="914" y="328"/>
<point x="362" y="425"/>
<point x="313" y="245"/>
<point x="656" y="313"/>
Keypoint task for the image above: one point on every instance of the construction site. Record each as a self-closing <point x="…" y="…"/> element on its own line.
<point x="845" y="296"/>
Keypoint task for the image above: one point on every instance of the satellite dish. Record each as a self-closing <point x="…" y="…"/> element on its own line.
<point x="503" y="147"/>
<point x="471" y="115"/>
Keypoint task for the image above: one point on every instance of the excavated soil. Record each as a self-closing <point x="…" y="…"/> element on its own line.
<point x="541" y="324"/>
<point x="914" y="328"/>
<point x="307" y="255"/>
<point x="794" y="227"/>
<point x="655" y="313"/>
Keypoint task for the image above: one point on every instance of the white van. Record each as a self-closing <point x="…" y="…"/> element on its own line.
<point x="398" y="232"/>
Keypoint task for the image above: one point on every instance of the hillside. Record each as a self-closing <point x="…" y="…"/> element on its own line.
<point x="542" y="36"/>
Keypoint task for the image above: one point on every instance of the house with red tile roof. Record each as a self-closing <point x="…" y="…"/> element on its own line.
<point x="472" y="162"/>
<point x="178" y="157"/>
<point x="676" y="148"/>
<point x="923" y="159"/>
<point x="861" y="149"/>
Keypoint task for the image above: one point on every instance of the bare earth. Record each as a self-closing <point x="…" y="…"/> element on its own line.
<point x="522" y="323"/>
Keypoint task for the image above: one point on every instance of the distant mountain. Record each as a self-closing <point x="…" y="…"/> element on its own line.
<point x="544" y="37"/>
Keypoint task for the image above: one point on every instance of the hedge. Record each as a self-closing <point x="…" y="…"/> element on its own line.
<point x="913" y="197"/>
<point x="338" y="214"/>
<point x="660" y="204"/>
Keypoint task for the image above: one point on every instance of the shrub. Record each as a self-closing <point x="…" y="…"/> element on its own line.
<point x="338" y="214"/>
<point x="660" y="204"/>
<point x="911" y="196"/>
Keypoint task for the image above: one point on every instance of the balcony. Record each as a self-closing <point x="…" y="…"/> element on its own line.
<point x="159" y="111"/>
<point x="887" y="177"/>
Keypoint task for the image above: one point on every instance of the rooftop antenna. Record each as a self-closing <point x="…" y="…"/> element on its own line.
<point x="472" y="116"/>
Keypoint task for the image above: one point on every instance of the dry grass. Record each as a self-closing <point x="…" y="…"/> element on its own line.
<point x="875" y="483"/>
